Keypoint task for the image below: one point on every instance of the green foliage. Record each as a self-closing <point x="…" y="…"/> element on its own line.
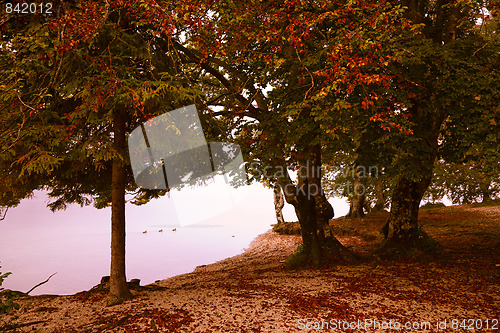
<point x="421" y="246"/>
<point x="295" y="75"/>
<point x="463" y="183"/>
<point x="469" y="151"/>
<point x="341" y="180"/>
<point x="287" y="228"/>
<point x="440" y="83"/>
<point x="3" y="276"/>
<point x="298" y="258"/>
<point x="7" y="298"/>
<point x="74" y="84"/>
<point x="56" y="133"/>
<point x="367" y="83"/>
<point x="430" y="205"/>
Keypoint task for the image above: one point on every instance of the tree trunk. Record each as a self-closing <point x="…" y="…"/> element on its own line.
<point x="401" y="230"/>
<point x="379" y="193"/>
<point x="484" y="187"/>
<point x="279" y="203"/>
<point x="118" y="290"/>
<point x="306" y="213"/>
<point x="312" y="209"/>
<point x="402" y="234"/>
<point x="357" y="202"/>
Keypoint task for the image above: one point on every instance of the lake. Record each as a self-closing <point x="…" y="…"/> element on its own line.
<point x="209" y="224"/>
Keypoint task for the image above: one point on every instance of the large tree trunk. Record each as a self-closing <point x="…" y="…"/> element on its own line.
<point x="401" y="230"/>
<point x="379" y="193"/>
<point x="312" y="209"/>
<point x="306" y="213"/>
<point x="118" y="290"/>
<point x="358" y="198"/>
<point x="402" y="234"/>
<point x="310" y="218"/>
<point x="484" y="187"/>
<point x="279" y="203"/>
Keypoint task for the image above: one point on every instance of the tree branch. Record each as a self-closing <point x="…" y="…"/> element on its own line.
<point x="288" y="188"/>
<point x="2" y="216"/>
<point x="191" y="54"/>
<point x="38" y="285"/>
<point x="479" y="49"/>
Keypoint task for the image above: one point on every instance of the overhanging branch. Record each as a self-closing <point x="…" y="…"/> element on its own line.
<point x="244" y="102"/>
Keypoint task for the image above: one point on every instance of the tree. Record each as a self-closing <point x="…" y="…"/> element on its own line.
<point x="279" y="202"/>
<point x="463" y="183"/>
<point x="103" y="73"/>
<point x="361" y="170"/>
<point x="288" y="76"/>
<point x="366" y="186"/>
<point x="439" y="79"/>
<point x="467" y="169"/>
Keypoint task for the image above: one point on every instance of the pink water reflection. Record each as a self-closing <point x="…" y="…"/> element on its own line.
<point x="34" y="243"/>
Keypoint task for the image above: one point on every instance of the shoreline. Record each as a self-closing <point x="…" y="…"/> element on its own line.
<point x="255" y="292"/>
<point x="267" y="251"/>
<point x="150" y="257"/>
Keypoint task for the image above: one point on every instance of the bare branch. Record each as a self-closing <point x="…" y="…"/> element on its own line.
<point x="247" y="104"/>
<point x="38" y="285"/>
<point x="479" y="49"/>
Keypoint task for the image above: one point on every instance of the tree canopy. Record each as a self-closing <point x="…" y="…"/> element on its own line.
<point x="297" y="84"/>
<point x="76" y="84"/>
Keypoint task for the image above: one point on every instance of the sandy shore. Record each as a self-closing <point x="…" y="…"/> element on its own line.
<point x="255" y="292"/>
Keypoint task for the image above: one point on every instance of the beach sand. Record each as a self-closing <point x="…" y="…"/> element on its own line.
<point x="256" y="292"/>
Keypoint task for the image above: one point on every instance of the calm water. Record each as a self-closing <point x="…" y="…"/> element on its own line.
<point x="75" y="243"/>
